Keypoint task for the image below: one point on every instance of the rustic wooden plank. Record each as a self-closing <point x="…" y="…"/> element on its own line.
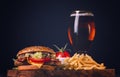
<point x="62" y="73"/>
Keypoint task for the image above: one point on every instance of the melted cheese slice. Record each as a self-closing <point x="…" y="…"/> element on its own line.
<point x="33" y="63"/>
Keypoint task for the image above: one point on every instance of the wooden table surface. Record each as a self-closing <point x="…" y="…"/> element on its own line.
<point x="62" y="73"/>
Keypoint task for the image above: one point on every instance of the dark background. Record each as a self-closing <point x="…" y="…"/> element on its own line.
<point x="32" y="22"/>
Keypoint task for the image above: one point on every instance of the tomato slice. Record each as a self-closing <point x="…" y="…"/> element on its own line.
<point x="42" y="60"/>
<point x="47" y="59"/>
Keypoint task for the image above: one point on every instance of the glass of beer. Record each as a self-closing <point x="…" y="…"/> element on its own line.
<point x="81" y="30"/>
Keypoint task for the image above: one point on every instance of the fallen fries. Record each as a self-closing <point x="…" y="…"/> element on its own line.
<point x="82" y="61"/>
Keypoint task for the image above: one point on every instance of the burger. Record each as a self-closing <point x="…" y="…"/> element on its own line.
<point x="35" y="57"/>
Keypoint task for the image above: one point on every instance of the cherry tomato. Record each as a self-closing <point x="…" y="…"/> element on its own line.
<point x="62" y="54"/>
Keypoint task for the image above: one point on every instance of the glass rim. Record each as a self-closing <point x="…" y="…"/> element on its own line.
<point x="81" y="13"/>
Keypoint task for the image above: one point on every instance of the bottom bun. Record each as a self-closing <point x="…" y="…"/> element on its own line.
<point x="28" y="67"/>
<point x="48" y="67"/>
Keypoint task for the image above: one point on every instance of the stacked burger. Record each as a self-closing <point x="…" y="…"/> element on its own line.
<point x="36" y="57"/>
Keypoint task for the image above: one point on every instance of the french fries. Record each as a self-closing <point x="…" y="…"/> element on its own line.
<point x="82" y="61"/>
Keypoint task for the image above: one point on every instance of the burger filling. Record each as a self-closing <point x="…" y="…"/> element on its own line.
<point x="36" y="58"/>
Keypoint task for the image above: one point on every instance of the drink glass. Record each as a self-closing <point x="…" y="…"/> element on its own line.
<point x="81" y="30"/>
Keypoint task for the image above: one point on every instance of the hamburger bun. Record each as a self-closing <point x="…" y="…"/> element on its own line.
<point x="35" y="49"/>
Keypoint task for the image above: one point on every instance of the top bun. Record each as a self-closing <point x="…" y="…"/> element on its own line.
<point x="35" y="49"/>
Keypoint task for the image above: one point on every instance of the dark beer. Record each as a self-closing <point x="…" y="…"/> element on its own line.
<point x="81" y="31"/>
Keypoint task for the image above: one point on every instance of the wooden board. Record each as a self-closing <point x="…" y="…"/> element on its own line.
<point x="62" y="73"/>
